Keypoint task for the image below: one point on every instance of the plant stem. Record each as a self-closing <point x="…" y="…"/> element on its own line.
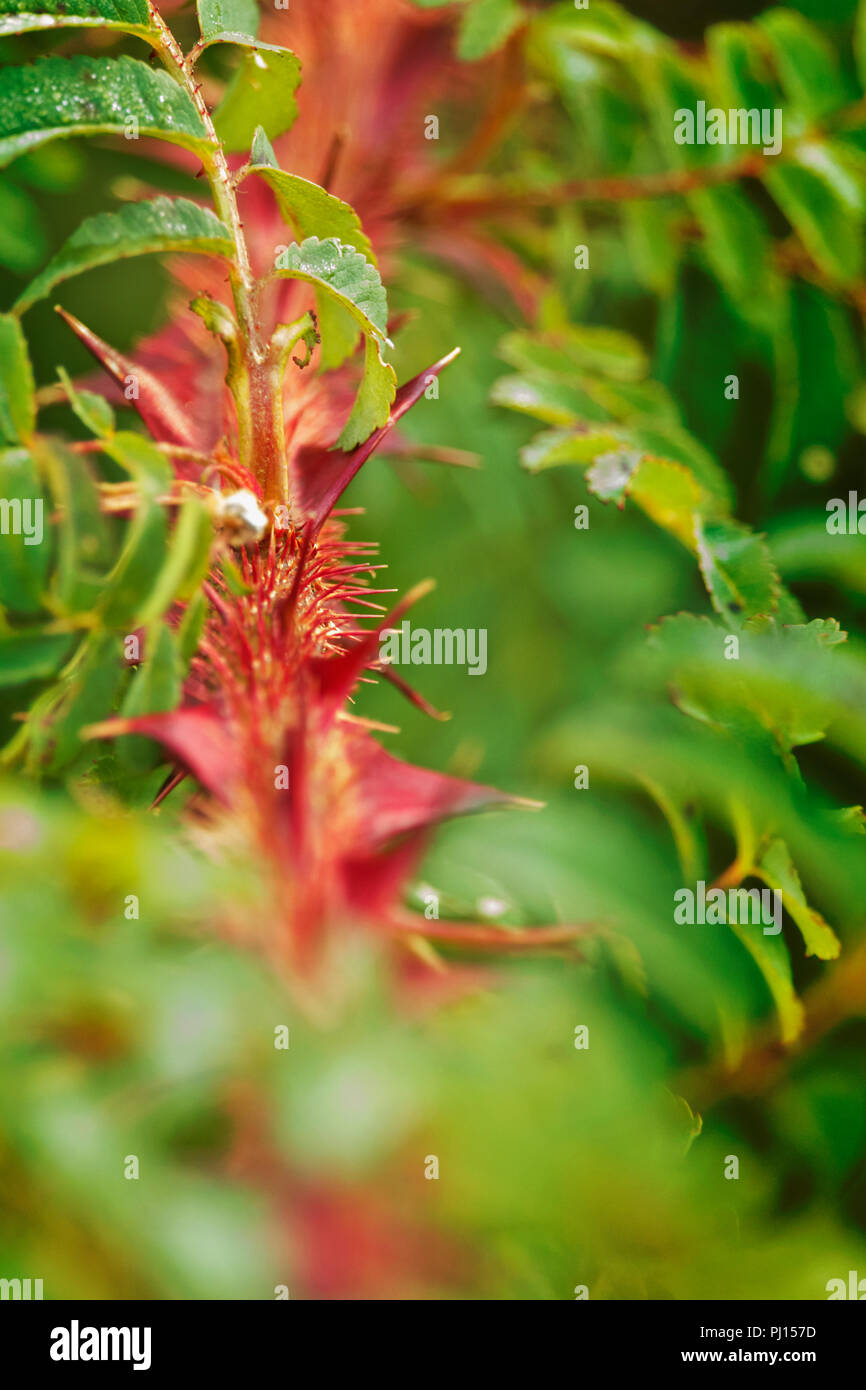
<point x="248" y="377"/>
<point x="831" y="1002"/>
<point x="620" y="188"/>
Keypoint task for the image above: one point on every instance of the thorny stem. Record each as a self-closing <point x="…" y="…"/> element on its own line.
<point x="218" y="176"/>
<point x="267" y="402"/>
<point x="615" y="189"/>
<point x="251" y="379"/>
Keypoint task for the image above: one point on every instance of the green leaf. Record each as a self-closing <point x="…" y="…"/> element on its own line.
<point x="64" y="97"/>
<point x="191" y="627"/>
<point x="802" y="682"/>
<point x="633" y="401"/>
<point x="771" y="957"/>
<point x="29" y="656"/>
<point x="315" y="213"/>
<point x="130" y="16"/>
<point x="572" y="349"/>
<point x="830" y="161"/>
<point x="829" y="230"/>
<point x="217" y="318"/>
<point x="604" y="29"/>
<point x="653" y="245"/>
<point x="312" y="211"/>
<point x="344" y="273"/>
<point x="52" y="168"/>
<point x="553" y="448"/>
<point x="262" y="152"/>
<point x="17" y="405"/>
<point x="261" y="94"/>
<point x="92" y="410"/>
<point x="157" y="684"/>
<point x="666" y="491"/>
<point x="337" y="330"/>
<point x="186" y="563"/>
<point x="143" y="461"/>
<point x="669" y="494"/>
<point x="341" y="273"/>
<point x="218" y="17"/>
<point x="137" y="229"/>
<point x="803" y="550"/>
<point x="674" y="443"/>
<point x="91" y="690"/>
<point x="738" y="56"/>
<point x="556" y="402"/>
<point x="130" y="583"/>
<point x="807" y="64"/>
<point x="154" y="688"/>
<point x="778" y="871"/>
<point x="607" y="350"/>
<point x="485" y="26"/>
<point x="737" y="247"/>
<point x="82" y="535"/>
<point x="738" y="571"/>
<point x="235" y="581"/>
<point x="669" y="83"/>
<point x="373" y="402"/>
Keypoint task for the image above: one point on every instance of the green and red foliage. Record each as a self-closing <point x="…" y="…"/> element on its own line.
<point x="206" y="833"/>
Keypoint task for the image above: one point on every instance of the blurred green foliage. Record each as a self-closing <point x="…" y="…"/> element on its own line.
<point x="558" y="1167"/>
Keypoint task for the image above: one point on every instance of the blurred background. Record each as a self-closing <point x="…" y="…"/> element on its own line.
<point x="559" y="1168"/>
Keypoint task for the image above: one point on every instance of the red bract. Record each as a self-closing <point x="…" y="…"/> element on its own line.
<point x="265" y="726"/>
<point x="266" y="730"/>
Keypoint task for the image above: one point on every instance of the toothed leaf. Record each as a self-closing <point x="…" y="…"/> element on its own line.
<point x="261" y="94"/>
<point x="740" y="576"/>
<point x="314" y="212"/>
<point x="21" y="16"/>
<point x="311" y="210"/>
<point x="345" y="276"/>
<point x="63" y="97"/>
<point x="777" y="869"/>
